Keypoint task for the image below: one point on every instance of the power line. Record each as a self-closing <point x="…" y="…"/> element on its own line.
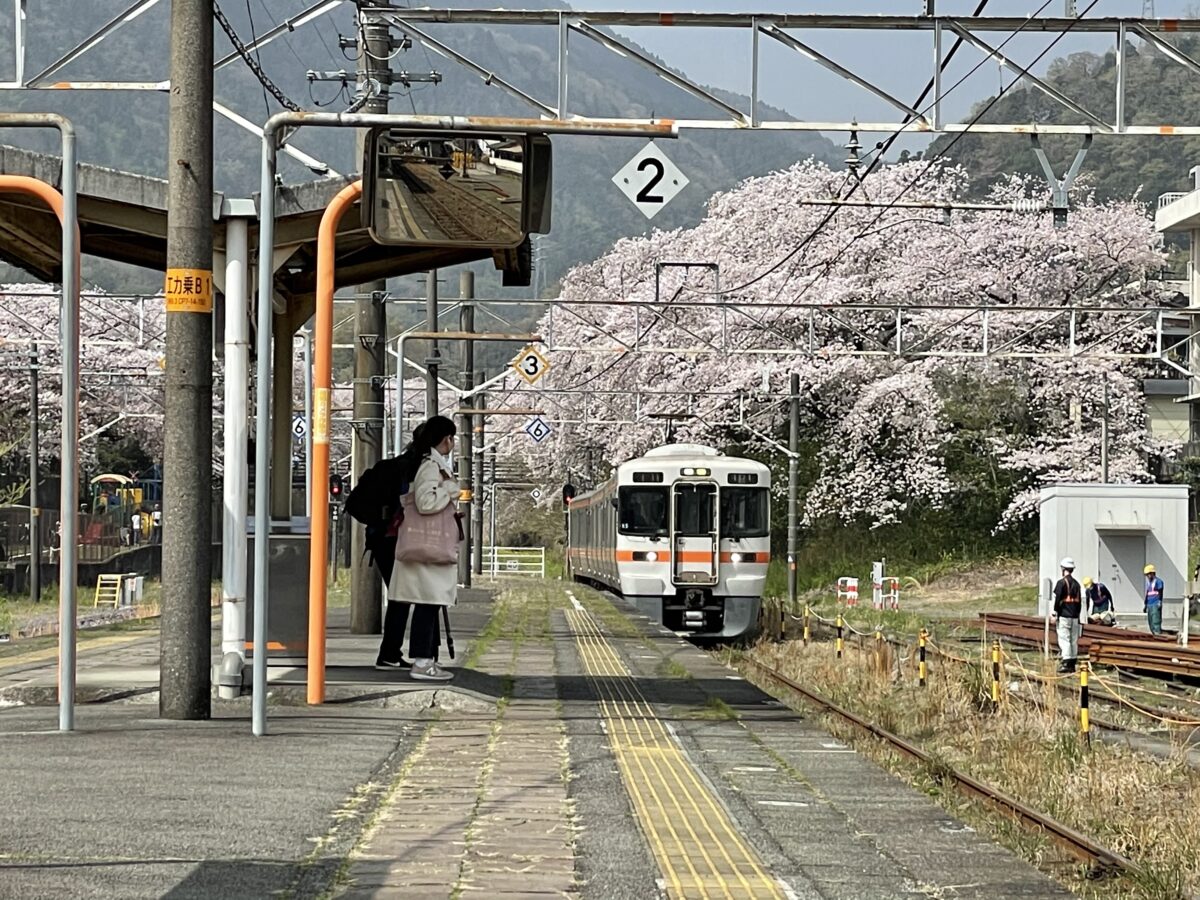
<point x="254" y="66"/>
<point x="938" y="157"/>
<point x="879" y="152"/>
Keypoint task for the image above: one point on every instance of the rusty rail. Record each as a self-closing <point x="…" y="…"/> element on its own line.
<point x="1074" y="842"/>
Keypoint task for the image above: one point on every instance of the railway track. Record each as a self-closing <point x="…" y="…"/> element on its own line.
<point x="1147" y="709"/>
<point x="460" y="214"/>
<point x="1078" y="845"/>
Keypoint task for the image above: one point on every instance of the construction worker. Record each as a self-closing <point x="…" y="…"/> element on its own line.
<point x="1153" y="600"/>
<point x="1101" y="610"/>
<point x="1068" y="605"/>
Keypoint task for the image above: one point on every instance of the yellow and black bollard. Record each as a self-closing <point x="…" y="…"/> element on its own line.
<point x="922" y="672"/>
<point x="839" y="642"/>
<point x="1085" y="725"/>
<point x="995" y="673"/>
<point x="806" y="628"/>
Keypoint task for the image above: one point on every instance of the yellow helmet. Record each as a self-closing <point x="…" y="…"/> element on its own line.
<point x="1148" y="570"/>
<point x="1087" y="582"/>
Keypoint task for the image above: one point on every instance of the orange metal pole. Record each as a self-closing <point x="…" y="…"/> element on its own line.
<point x="22" y="184"/>
<point x="322" y="376"/>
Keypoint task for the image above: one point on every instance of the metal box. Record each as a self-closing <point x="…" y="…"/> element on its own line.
<point x="287" y="597"/>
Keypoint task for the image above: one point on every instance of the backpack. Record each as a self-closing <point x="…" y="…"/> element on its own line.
<point x="376" y="489"/>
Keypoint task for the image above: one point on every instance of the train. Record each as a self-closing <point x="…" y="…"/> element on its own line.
<point x="683" y="533"/>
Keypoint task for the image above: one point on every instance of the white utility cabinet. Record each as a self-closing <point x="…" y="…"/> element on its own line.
<point x="1112" y="531"/>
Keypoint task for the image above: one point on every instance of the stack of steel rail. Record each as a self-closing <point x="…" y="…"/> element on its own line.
<point x="1147" y="656"/>
<point x="1030" y="631"/>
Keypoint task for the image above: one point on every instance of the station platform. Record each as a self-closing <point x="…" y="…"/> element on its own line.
<point x="581" y="752"/>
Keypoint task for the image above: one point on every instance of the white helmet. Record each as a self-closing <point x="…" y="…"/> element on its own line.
<point x="1067" y="563"/>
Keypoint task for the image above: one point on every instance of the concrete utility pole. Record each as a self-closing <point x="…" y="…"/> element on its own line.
<point x="35" y="512"/>
<point x="466" y="294"/>
<point x="184" y="682"/>
<point x="370" y="345"/>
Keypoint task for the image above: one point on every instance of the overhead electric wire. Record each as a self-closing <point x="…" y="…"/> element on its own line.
<point x="937" y="158"/>
<point x="879" y="152"/>
<point x="255" y="67"/>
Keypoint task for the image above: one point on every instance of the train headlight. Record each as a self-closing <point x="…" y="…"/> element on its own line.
<point x="735" y="557"/>
<point x="651" y="556"/>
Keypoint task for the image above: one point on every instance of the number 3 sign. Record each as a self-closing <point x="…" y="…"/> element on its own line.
<point x="530" y="364"/>
<point x="650" y="180"/>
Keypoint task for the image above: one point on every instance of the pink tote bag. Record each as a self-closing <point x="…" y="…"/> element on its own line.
<point x="432" y="539"/>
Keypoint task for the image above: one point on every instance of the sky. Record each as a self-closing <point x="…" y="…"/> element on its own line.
<point x="899" y="62"/>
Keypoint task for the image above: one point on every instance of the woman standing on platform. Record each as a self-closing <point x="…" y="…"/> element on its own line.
<point x="375" y="501"/>
<point x="427" y="585"/>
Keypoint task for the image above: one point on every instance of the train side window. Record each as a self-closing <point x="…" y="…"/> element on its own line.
<point x="643" y="511"/>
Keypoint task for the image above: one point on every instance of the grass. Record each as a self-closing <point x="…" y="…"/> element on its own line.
<point x="19" y="612"/>
<point x="602" y="608"/>
<point x="714" y="710"/>
<point x="668" y="668"/>
<point x="338" y="595"/>
<point x="1126" y="800"/>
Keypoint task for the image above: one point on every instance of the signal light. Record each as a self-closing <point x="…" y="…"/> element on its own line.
<point x="335" y="485"/>
<point x="568" y="494"/>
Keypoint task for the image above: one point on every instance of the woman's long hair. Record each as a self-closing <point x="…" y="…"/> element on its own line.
<point x="425" y="437"/>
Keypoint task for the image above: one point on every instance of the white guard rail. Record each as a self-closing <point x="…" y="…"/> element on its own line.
<point x="515" y="561"/>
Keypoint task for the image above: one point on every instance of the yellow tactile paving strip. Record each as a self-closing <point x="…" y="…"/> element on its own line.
<point x="695" y="843"/>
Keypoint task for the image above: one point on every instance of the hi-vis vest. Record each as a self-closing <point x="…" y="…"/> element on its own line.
<point x="1154" y="591"/>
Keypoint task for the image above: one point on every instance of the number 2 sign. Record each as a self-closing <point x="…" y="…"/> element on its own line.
<point x="650" y="180"/>
<point x="531" y="365"/>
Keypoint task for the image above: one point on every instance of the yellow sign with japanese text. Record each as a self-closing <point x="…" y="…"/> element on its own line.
<point x="321" y="416"/>
<point x="189" y="290"/>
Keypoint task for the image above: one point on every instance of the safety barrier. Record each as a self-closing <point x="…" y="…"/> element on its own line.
<point x="515" y="561"/>
<point x="889" y="593"/>
<point x="847" y="592"/>
<point x="1001" y="661"/>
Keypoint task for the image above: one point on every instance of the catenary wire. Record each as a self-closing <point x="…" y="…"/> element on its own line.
<point x="934" y="161"/>
<point x="880" y="152"/>
<point x="255" y="67"/>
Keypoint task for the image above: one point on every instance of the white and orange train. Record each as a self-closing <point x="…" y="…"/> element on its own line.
<point x="683" y="533"/>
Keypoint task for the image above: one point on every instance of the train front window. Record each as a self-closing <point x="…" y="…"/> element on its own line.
<point x="694" y="508"/>
<point x="643" y="511"/>
<point x="745" y="512"/>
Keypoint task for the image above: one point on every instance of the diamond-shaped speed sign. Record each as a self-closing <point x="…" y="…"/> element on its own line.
<point x="537" y="429"/>
<point x="650" y="180"/>
<point x="531" y="365"/>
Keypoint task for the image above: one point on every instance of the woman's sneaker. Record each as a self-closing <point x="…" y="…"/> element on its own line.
<point x="387" y="664"/>
<point x="431" y="672"/>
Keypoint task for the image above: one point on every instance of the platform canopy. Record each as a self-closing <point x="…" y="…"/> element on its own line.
<point x="123" y="217"/>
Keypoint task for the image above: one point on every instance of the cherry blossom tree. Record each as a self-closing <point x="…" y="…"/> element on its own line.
<point x="121" y="375"/>
<point x="794" y="298"/>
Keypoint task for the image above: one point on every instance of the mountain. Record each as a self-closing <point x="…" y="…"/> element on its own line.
<point x="1156" y="90"/>
<point x="128" y="130"/>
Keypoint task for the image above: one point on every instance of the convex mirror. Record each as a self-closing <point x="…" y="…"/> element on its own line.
<point x="456" y="189"/>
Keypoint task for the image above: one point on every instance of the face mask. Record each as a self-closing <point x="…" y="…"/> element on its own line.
<point x="445" y="460"/>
